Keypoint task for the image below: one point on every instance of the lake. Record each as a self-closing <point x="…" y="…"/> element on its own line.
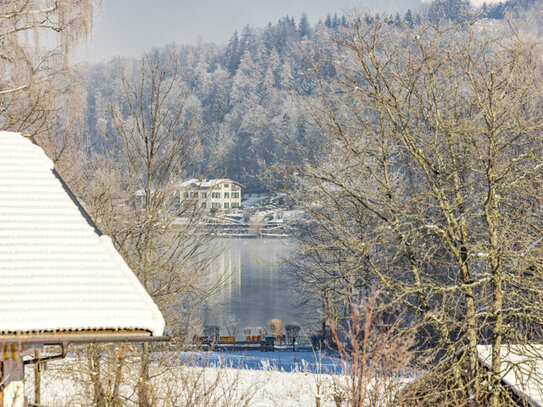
<point x="258" y="287"/>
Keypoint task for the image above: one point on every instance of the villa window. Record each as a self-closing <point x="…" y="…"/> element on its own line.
<point x="227" y="195"/>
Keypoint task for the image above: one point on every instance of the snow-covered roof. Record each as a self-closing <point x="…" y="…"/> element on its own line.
<point x="522" y="369"/>
<point x="57" y="273"/>
<point x="208" y="183"/>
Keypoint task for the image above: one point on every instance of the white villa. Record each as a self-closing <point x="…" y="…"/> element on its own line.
<point x="216" y="195"/>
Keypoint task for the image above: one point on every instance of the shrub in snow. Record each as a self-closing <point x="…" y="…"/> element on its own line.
<point x="276" y="328"/>
<point x="292" y="331"/>
<point x="231" y="324"/>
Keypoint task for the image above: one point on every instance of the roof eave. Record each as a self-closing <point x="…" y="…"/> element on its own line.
<point x="51" y="338"/>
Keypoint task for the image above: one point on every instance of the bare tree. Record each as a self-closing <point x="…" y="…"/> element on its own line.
<point x="376" y="354"/>
<point x="428" y="186"/>
<point x="134" y="196"/>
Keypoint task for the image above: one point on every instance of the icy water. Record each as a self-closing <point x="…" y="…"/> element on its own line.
<point x="258" y="287"/>
<point x="280" y="360"/>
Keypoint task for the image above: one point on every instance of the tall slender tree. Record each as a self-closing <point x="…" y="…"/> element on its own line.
<point x="159" y="232"/>
<point x="304" y="28"/>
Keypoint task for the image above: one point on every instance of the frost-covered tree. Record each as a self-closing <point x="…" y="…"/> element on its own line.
<point x="428" y="186"/>
<point x="37" y="38"/>
<point x="453" y="10"/>
<point x="232" y="56"/>
<point x="304" y="28"/>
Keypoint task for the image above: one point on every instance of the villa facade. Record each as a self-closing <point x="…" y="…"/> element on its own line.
<point x="215" y="195"/>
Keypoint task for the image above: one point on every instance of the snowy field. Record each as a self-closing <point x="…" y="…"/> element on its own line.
<point x="222" y="379"/>
<point x="64" y="385"/>
<point x="237" y="388"/>
<point x="250" y="378"/>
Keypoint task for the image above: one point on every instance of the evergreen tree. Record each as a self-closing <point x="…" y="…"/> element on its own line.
<point x="268" y="37"/>
<point x="285" y="30"/>
<point x="484" y="10"/>
<point x="328" y="21"/>
<point x="408" y="18"/>
<point x="247" y="41"/>
<point x="301" y="130"/>
<point x="217" y="100"/>
<point x="335" y="21"/>
<point x="292" y="24"/>
<point x="232" y="54"/>
<point x="304" y="27"/>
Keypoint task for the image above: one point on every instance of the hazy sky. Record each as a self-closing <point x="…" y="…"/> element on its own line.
<point x="130" y="27"/>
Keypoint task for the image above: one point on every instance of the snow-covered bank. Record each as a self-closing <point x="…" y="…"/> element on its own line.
<point x="63" y="384"/>
<point x="221" y="379"/>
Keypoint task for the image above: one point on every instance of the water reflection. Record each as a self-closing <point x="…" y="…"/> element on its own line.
<point x="257" y="288"/>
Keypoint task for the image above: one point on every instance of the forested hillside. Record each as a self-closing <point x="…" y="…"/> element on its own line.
<point x="245" y="93"/>
<point x="254" y="91"/>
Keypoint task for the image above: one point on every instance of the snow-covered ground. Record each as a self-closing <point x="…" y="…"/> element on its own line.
<point x="222" y="379"/>
<point x="254" y="199"/>
<point x="259" y="199"/>
<point x="63" y="384"/>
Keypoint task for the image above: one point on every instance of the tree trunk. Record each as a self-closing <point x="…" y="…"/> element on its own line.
<point x="144" y="398"/>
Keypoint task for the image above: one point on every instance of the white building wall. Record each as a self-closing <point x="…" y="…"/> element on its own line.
<point x="221" y="195"/>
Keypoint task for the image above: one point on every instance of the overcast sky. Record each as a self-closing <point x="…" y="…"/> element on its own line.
<point x="130" y="27"/>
